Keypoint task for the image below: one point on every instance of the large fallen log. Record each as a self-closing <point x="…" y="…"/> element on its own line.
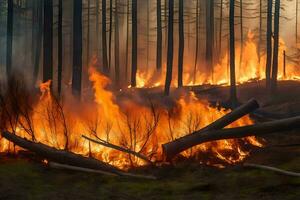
<point x="224" y="121"/>
<point x="60" y="156"/>
<point x="173" y="148"/>
<point x="236" y="114"/>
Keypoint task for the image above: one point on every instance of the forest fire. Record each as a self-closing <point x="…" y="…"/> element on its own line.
<point x="250" y="66"/>
<point x="140" y="127"/>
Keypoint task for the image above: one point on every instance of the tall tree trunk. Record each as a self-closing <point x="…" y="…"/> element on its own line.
<point x="117" y="70"/>
<point x="77" y="48"/>
<point x="260" y="30"/>
<point x="181" y="42"/>
<point x="166" y="21"/>
<point x="48" y="41"/>
<point x="209" y="35"/>
<point x="276" y="47"/>
<point x="127" y="40"/>
<point x="269" y="44"/>
<point x="9" y="36"/>
<point x="97" y="28"/>
<point x="39" y="37"/>
<point x="110" y="32"/>
<point x="148" y="32"/>
<point x="220" y="30"/>
<point x="170" y="48"/>
<point x="134" y="44"/>
<point x="233" y="96"/>
<point x="242" y="33"/>
<point x="197" y="41"/>
<point x="88" y="34"/>
<point x="296" y="25"/>
<point x="59" y="48"/>
<point x="159" y="36"/>
<point x="104" y="42"/>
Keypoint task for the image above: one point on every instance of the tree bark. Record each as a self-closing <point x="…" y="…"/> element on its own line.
<point x="159" y="36"/>
<point x="77" y="48"/>
<point x="170" y="48"/>
<point x="60" y="156"/>
<point x="181" y="43"/>
<point x="38" y="34"/>
<point x="233" y="96"/>
<point x="276" y="47"/>
<point x="59" y="48"/>
<point x="127" y="40"/>
<point x="269" y="44"/>
<point x="197" y="41"/>
<point x="199" y="137"/>
<point x="48" y="41"/>
<point x="134" y="44"/>
<point x="9" y="39"/>
<point x="110" y="32"/>
<point x="117" y="67"/>
<point x="209" y="35"/>
<point x="222" y="122"/>
<point x="88" y="34"/>
<point x="104" y="42"/>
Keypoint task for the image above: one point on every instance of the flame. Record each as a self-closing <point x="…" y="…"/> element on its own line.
<point x="251" y="67"/>
<point x="135" y="123"/>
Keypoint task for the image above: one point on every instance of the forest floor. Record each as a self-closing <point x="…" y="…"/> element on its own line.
<point x="23" y="178"/>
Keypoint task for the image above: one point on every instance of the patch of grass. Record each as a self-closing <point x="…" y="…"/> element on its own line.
<point x="21" y="179"/>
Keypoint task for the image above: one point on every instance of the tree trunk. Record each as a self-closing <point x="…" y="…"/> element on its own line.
<point x="269" y="44"/>
<point x="197" y="41"/>
<point x="117" y="70"/>
<point x="59" y="156"/>
<point x="88" y="34"/>
<point x="148" y="36"/>
<point x="127" y="40"/>
<point x="134" y="44"/>
<point x="170" y="49"/>
<point x="233" y="96"/>
<point x="276" y="47"/>
<point x="296" y="25"/>
<point x="48" y="41"/>
<point x="260" y="30"/>
<point x="9" y="39"/>
<point x="227" y="119"/>
<point x="59" y="47"/>
<point x="104" y="42"/>
<point x="242" y="33"/>
<point x="199" y="137"/>
<point x="159" y="36"/>
<point x="110" y="32"/>
<point x="220" y="30"/>
<point x="39" y="37"/>
<point x="77" y="48"/>
<point x="97" y="28"/>
<point x="209" y="35"/>
<point x="181" y="42"/>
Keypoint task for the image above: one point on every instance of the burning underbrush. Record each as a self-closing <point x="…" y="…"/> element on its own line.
<point x="136" y="123"/>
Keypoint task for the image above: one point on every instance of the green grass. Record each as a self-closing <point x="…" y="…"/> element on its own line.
<point x="21" y="179"/>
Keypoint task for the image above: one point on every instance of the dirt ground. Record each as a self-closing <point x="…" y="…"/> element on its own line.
<point x="23" y="178"/>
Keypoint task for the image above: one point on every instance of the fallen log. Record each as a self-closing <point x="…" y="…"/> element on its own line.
<point x="118" y="148"/>
<point x="60" y="156"/>
<point x="274" y="169"/>
<point x="236" y="114"/>
<point x="173" y="148"/>
<point x="81" y="169"/>
<point x="224" y="121"/>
